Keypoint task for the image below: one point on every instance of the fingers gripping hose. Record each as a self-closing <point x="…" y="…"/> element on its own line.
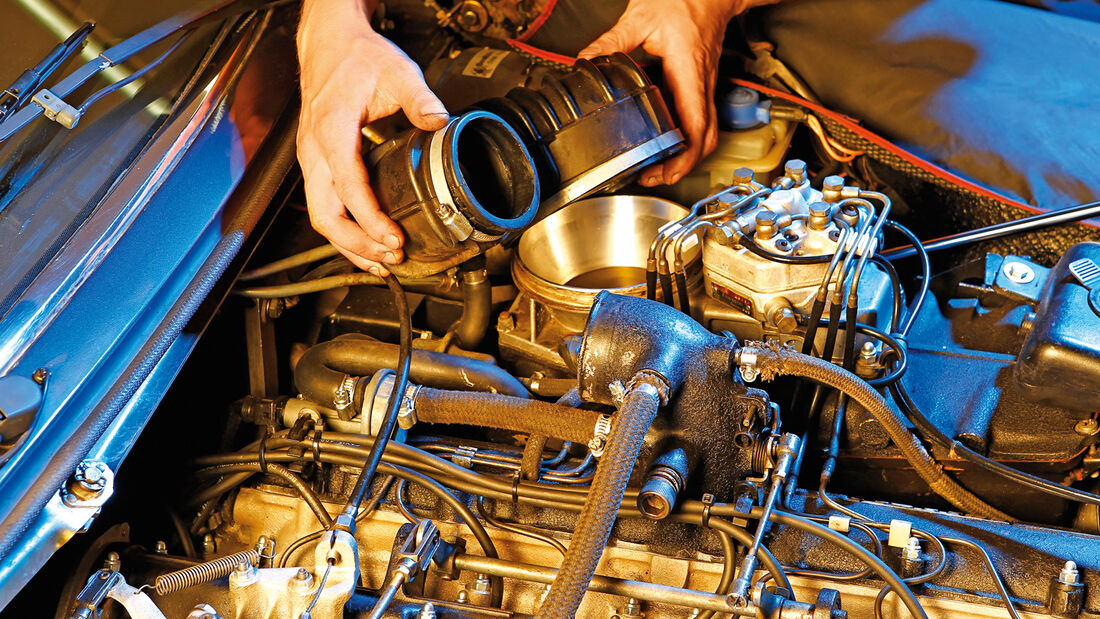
<point x="638" y="409"/>
<point x="772" y="361"/>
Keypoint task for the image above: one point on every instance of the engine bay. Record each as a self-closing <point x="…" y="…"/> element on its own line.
<point x="756" y="393"/>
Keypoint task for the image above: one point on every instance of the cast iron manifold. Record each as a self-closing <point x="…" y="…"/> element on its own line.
<point x="711" y="415"/>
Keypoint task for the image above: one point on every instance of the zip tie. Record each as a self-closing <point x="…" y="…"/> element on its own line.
<point x="900" y="532"/>
<point x="840" y="523"/>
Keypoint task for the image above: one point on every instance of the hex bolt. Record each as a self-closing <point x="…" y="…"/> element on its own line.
<point x="765" y="225"/>
<point x="208" y="546"/>
<point x="302" y="583"/>
<point x="743" y="176"/>
<point x="796" y="170"/>
<point x="1066" y="595"/>
<point x="912" y="549"/>
<point x="463" y="596"/>
<point x="832" y="187"/>
<point x="88" y="481"/>
<point x="819" y="216"/>
<point x="112" y="562"/>
<point x="1069" y="574"/>
<point x="161" y="548"/>
<point x="481" y="593"/>
<point x="870" y="353"/>
<point x="427" y="611"/>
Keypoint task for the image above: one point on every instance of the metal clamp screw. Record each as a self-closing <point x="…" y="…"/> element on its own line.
<point x="599" y="435"/>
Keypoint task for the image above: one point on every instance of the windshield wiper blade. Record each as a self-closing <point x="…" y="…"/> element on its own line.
<point x="20" y="91"/>
<point x="51" y="103"/>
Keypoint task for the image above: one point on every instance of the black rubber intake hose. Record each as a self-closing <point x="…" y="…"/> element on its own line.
<point x="322" y="368"/>
<point x="470" y="408"/>
<point x="601" y="506"/>
<point x="773" y="361"/>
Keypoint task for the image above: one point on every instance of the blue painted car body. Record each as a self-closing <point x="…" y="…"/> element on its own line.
<point x="108" y="304"/>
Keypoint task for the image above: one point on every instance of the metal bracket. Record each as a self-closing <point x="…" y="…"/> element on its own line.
<point x="55" y="108"/>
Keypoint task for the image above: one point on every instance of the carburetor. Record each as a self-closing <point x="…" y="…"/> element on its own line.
<point x="765" y="263"/>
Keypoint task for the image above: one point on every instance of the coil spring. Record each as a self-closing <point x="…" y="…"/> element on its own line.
<point x="204" y="572"/>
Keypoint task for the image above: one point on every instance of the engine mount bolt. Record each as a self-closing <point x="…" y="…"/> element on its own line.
<point x="1087" y="427"/>
<point x="1069" y="574"/>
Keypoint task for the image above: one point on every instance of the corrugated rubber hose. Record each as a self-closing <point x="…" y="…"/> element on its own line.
<point x="773" y="361"/>
<point x="502" y="412"/>
<point x="628" y="428"/>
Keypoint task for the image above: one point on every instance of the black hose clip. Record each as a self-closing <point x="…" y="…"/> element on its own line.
<point x="708" y="502"/>
<point x="516" y="478"/>
<point x="263" y="452"/>
<point x="316" y="442"/>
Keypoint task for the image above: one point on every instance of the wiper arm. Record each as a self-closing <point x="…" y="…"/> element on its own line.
<point x="20" y="91"/>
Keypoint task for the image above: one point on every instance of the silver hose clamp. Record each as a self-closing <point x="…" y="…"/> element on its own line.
<point x="599" y="435"/>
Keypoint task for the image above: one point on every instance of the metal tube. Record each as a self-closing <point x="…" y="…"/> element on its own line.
<point x="387" y="596"/>
<point x="647" y="592"/>
<point x="1016" y="226"/>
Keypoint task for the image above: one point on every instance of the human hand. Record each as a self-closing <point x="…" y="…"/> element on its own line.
<point x="351" y="76"/>
<point x="687" y="36"/>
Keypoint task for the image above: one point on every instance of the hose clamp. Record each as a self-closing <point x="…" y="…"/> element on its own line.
<point x="342" y="397"/>
<point x="455" y="222"/>
<point x="599" y="435"/>
<point x="747" y="364"/>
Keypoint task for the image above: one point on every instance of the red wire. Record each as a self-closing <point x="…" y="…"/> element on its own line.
<point x="539" y="21"/>
<point x="541" y="53"/>
<point x="878" y="140"/>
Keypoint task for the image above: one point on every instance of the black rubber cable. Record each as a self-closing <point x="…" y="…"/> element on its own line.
<point x="401" y="381"/>
<point x="926" y="276"/>
<point x="895" y="285"/>
<point x="307" y="494"/>
<point x="936" y="436"/>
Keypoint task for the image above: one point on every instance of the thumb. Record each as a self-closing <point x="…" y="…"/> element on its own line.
<point x="624" y="37"/>
<point x="423" y="109"/>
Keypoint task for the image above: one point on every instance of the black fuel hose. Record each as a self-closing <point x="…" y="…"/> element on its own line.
<point x="601" y="506"/>
<point x="501" y="412"/>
